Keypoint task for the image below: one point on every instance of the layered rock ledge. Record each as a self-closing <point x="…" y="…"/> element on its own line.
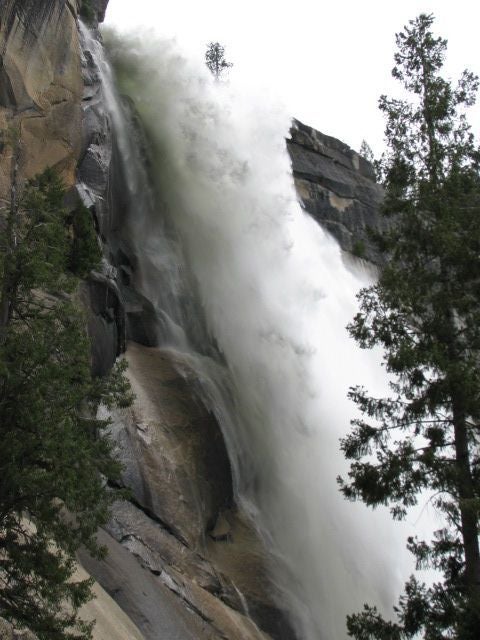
<point x="337" y="187"/>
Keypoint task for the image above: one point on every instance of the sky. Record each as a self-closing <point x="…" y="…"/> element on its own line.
<point x="326" y="62"/>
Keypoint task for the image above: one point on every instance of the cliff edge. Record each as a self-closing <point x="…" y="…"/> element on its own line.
<point x="337" y="187"/>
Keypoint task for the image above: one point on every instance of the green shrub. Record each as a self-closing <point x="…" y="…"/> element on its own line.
<point x="85" y="253"/>
<point x="87" y="11"/>
<point x="359" y="249"/>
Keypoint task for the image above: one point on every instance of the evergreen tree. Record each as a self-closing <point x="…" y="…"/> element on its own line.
<point x="423" y="440"/>
<point x="367" y="153"/>
<point x="215" y="59"/>
<point x="85" y="253"/>
<point x="54" y="461"/>
<point x="87" y="12"/>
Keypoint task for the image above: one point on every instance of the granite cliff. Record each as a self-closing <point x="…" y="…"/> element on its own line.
<point x="337" y="187"/>
<point x="184" y="562"/>
<point x="40" y="88"/>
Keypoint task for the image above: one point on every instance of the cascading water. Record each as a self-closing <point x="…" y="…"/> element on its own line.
<point x="276" y="295"/>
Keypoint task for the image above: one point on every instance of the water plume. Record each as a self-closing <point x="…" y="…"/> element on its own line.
<point x="276" y="295"/>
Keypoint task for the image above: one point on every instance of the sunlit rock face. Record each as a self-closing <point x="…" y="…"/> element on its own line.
<point x="51" y="116"/>
<point x="337" y="187"/>
<point x="40" y="88"/>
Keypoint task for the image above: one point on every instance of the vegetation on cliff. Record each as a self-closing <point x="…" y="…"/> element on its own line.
<point x="54" y="461"/>
<point x="87" y="12"/>
<point x="215" y="60"/>
<point x="422" y="442"/>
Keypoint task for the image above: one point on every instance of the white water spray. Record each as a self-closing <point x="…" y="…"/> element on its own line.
<point x="277" y="296"/>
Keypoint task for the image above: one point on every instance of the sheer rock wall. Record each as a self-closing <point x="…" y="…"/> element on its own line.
<point x="40" y="89"/>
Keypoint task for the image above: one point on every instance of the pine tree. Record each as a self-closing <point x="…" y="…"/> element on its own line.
<point x="54" y="461"/>
<point x="424" y="311"/>
<point x="85" y="253"/>
<point x="215" y="59"/>
<point x="367" y="153"/>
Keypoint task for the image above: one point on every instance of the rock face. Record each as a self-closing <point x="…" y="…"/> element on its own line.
<point x="174" y="456"/>
<point x="111" y="622"/>
<point x="41" y="88"/>
<point x="337" y="187"/>
<point x="51" y="116"/>
<point x="181" y="522"/>
<point x="105" y="321"/>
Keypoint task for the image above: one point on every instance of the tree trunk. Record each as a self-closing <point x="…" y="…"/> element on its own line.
<point x="6" y="292"/>
<point x="467" y="494"/>
<point x="465" y="485"/>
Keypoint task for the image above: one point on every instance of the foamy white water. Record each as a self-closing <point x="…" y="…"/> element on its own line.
<point x="277" y="296"/>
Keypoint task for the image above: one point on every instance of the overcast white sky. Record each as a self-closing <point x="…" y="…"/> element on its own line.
<point x="326" y="61"/>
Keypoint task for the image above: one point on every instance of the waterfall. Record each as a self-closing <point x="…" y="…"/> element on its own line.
<point x="276" y="296"/>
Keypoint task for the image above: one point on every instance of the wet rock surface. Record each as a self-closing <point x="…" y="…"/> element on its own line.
<point x="181" y="523"/>
<point x="105" y="320"/>
<point x="171" y="447"/>
<point x="337" y="187"/>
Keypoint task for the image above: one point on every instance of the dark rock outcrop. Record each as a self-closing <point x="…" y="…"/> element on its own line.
<point x="101" y="188"/>
<point x="105" y="321"/>
<point x="337" y="187"/>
